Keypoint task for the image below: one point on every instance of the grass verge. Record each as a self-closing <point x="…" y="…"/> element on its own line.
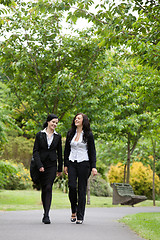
<point x="147" y="225"/>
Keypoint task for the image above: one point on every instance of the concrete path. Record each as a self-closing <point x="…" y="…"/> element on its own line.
<point x="99" y="224"/>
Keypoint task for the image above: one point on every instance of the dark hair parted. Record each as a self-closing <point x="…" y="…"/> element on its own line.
<point x="49" y="118"/>
<point x="86" y="127"/>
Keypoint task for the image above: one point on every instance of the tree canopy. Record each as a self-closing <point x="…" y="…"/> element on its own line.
<point x="110" y="70"/>
<point x="47" y="70"/>
<point x="130" y="23"/>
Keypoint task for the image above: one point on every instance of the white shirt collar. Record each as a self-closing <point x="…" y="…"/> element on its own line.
<point x="44" y="130"/>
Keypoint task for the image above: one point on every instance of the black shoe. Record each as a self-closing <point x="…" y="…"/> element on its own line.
<point x="46" y="220"/>
<point x="79" y="222"/>
<point x="73" y="218"/>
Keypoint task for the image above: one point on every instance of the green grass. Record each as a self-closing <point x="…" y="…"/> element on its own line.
<point x="12" y="200"/>
<point x="147" y="225"/>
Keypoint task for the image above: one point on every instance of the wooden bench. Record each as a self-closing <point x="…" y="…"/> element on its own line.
<point x="123" y="194"/>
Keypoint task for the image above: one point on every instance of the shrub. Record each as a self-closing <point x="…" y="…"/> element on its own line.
<point x="14" y="176"/>
<point x="18" y="149"/>
<point x="141" y="178"/>
<point x="99" y="186"/>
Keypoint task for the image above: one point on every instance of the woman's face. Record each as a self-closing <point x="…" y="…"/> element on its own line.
<point x="78" y="121"/>
<point x="53" y="124"/>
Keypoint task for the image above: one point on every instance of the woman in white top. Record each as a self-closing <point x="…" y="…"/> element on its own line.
<point x="79" y="162"/>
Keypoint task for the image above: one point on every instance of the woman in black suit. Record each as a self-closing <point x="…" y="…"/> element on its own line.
<point x="47" y="153"/>
<point x="79" y="161"/>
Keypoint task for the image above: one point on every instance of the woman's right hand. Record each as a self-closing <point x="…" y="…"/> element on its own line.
<point x="41" y="169"/>
<point x="66" y="170"/>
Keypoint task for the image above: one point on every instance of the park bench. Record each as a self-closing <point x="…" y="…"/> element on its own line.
<point x="123" y="194"/>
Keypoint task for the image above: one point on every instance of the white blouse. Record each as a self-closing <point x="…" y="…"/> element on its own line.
<point x="79" y="149"/>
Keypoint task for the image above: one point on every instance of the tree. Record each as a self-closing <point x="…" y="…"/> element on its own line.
<point x="153" y="134"/>
<point x="47" y="70"/>
<point x="125" y="110"/>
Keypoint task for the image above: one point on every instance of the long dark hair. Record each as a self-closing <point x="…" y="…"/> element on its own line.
<point x="85" y="127"/>
<point x="49" y="118"/>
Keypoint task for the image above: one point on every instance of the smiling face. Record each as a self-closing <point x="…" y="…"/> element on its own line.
<point x="53" y="124"/>
<point x="79" y="121"/>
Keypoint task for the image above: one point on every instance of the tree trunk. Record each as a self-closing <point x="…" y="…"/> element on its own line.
<point x="88" y="193"/>
<point x="153" y="193"/>
<point x="124" y="177"/>
<point x="128" y="160"/>
<point x="154" y="163"/>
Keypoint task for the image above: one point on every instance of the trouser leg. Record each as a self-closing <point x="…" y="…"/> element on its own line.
<point x="72" y="183"/>
<point x="83" y="173"/>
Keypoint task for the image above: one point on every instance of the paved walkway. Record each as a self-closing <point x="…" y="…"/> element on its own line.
<point x="100" y="223"/>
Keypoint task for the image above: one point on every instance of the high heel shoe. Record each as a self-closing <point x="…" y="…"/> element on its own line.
<point x="79" y="221"/>
<point x="73" y="218"/>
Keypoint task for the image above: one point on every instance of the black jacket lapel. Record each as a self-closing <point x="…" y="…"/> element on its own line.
<point x="55" y="139"/>
<point x="44" y="137"/>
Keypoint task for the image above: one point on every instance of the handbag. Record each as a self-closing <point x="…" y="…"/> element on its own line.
<point x="34" y="172"/>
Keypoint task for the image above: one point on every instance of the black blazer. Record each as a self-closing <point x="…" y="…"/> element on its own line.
<point x="90" y="146"/>
<point x="41" y="151"/>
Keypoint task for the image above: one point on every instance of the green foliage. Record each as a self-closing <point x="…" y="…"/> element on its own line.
<point x="128" y="23"/>
<point x="14" y="176"/>
<point x="7" y="123"/>
<point x="99" y="186"/>
<point x="19" y="150"/>
<point x="126" y="100"/>
<point x="109" y="152"/>
<point x="6" y="2"/>
<point x="45" y="68"/>
<point x="124" y="110"/>
<point x="141" y="178"/>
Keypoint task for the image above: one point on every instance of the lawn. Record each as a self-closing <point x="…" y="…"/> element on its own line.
<point x="12" y="200"/>
<point x="147" y="225"/>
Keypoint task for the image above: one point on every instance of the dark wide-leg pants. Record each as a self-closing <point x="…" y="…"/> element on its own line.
<point x="78" y="174"/>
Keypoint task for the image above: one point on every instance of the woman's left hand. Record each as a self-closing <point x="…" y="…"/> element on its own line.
<point x="94" y="171"/>
<point x="59" y="174"/>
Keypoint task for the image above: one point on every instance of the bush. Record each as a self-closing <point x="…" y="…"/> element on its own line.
<point x="19" y="150"/>
<point x="141" y="178"/>
<point x="99" y="186"/>
<point x="14" y="176"/>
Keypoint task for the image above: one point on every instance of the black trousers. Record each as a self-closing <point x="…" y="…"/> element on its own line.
<point x="78" y="174"/>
